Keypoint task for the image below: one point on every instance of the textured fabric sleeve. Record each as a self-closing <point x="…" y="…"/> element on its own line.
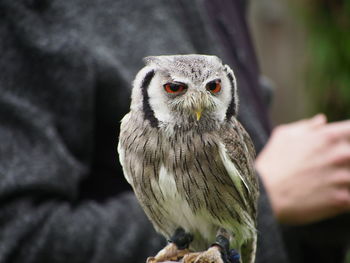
<point x="42" y="219"/>
<point x="47" y="106"/>
<point x="270" y="246"/>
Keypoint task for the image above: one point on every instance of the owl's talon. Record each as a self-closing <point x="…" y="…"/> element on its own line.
<point x="234" y="256"/>
<point x="224" y="245"/>
<point x="181" y="239"/>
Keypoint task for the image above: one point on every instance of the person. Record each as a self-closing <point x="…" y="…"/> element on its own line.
<point x="305" y="168"/>
<point x="66" y="71"/>
<point x="318" y="152"/>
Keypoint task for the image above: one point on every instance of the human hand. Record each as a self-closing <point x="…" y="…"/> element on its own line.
<point x="305" y="167"/>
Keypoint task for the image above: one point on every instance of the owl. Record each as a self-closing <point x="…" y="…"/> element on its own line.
<point x="189" y="160"/>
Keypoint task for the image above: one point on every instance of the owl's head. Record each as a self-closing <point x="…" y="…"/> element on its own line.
<point x="185" y="89"/>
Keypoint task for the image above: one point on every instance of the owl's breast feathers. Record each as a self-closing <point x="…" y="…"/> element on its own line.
<point x="210" y="172"/>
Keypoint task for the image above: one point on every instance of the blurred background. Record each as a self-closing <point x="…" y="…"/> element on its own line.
<point x="304" y="49"/>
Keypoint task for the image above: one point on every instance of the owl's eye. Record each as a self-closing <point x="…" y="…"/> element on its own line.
<point x="174" y="88"/>
<point x="214" y="86"/>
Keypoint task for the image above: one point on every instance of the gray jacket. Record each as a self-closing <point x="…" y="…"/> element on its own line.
<point x="65" y="74"/>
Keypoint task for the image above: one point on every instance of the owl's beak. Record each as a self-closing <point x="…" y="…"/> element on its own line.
<point x="199" y="114"/>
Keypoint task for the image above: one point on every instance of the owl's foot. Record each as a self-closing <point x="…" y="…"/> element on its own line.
<point x="181" y="239"/>
<point x="234" y="256"/>
<point x="176" y="249"/>
<point x="223" y="244"/>
<point x="218" y="253"/>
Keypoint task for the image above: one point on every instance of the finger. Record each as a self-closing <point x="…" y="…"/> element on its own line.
<point x="341" y="199"/>
<point x="340" y="177"/>
<point x="338" y="153"/>
<point x="338" y="130"/>
<point x="318" y="120"/>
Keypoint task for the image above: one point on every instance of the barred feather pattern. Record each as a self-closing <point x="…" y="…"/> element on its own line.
<point x="181" y="177"/>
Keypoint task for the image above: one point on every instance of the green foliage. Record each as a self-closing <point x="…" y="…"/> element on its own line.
<point x="328" y="70"/>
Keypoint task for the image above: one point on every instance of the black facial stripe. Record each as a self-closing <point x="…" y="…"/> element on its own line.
<point x="231" y="110"/>
<point x="147" y="110"/>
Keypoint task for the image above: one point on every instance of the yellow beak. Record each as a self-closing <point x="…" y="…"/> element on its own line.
<point x="199" y="114"/>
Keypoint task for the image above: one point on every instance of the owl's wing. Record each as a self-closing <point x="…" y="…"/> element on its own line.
<point x="240" y="150"/>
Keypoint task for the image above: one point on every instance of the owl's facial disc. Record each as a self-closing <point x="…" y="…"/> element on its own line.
<point x="185" y="89"/>
<point x="179" y="89"/>
<point x="176" y="99"/>
<point x="193" y="101"/>
<point x="214" y="88"/>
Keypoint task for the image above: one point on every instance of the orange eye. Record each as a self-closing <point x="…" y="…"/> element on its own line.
<point x="214" y="86"/>
<point x="174" y="88"/>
